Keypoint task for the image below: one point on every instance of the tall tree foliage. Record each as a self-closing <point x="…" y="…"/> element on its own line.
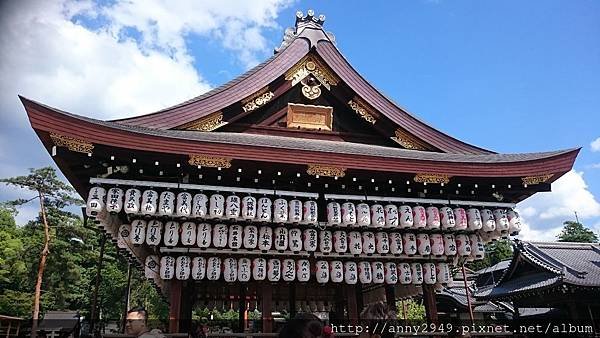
<point x="495" y="252"/>
<point x="50" y="191"/>
<point x="576" y="232"/>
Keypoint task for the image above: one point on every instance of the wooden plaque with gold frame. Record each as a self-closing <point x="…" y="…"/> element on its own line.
<point x="309" y="117"/>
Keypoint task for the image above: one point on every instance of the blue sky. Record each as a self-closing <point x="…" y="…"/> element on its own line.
<point x="511" y="76"/>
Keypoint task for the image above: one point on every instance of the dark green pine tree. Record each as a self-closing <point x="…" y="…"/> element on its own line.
<point x="576" y="232"/>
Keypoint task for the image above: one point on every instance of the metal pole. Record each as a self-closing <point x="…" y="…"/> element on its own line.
<point x="127" y="292"/>
<point x="468" y="295"/>
<point x="576" y="218"/>
<point x="97" y="286"/>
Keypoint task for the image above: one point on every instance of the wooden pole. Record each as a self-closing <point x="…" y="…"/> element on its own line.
<point x="242" y="308"/>
<point x="292" y="300"/>
<point x="267" y="308"/>
<point x="97" y="285"/>
<point x="42" y="266"/>
<point x="468" y="295"/>
<point x="430" y="304"/>
<point x="352" y="306"/>
<point x="126" y="302"/>
<point x="175" y="305"/>
<point x="390" y="296"/>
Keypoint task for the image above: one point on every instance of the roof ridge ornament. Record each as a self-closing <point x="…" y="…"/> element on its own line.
<point x="309" y="27"/>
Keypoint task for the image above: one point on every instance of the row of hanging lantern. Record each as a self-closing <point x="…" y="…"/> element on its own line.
<point x="289" y="270"/>
<point x="184" y="205"/>
<point x="264" y="238"/>
<point x="252" y="305"/>
<point x="217" y="206"/>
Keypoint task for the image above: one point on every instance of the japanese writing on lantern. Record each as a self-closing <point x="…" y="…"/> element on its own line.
<point x="172" y="233"/>
<point x="114" y="199"/>
<point x="204" y="235"/>
<point x="153" y="229"/>
<point x="265" y="238"/>
<point x="150" y="200"/>
<point x="338" y="268"/>
<point x="265" y="209"/>
<point x="325" y="241"/>
<point x="234" y="236"/>
<point x="166" y="203"/>
<point x="233" y="206"/>
<point x="289" y="272"/>
<point x="184" y="204"/>
<point x="132" y="199"/>
<point x="304" y="270"/>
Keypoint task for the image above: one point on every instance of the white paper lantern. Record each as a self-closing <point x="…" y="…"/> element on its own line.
<point x="95" y="201"/>
<point x="437" y="244"/>
<point x="230" y="269"/>
<point x="123" y="240"/>
<point x="325" y="241"/>
<point x="334" y="214"/>
<point x="216" y="206"/>
<point x="377" y="216"/>
<point x="138" y="232"/>
<point x="289" y="270"/>
<point x="166" y="203"/>
<point x="348" y="214"/>
<point x="188" y="233"/>
<point x="460" y="219"/>
<point x="477" y="248"/>
<point x="199" y="206"/>
<point x="416" y="270"/>
<point x="167" y="267"/>
<point x="409" y="243"/>
<point x="213" y="268"/>
<point x="183" y="207"/>
<point x="114" y="200"/>
<point x="249" y="208"/>
<point x="429" y="273"/>
<point x="395" y="243"/>
<point x="295" y="211"/>
<point x="404" y="273"/>
<point x="244" y="269"/>
<point x="406" y="216"/>
<point x="322" y="273"/>
<point x="365" y="273"/>
<point x="281" y="238"/>
<point x="391" y="273"/>
<point x="447" y="218"/>
<point x="132" y="201"/>
<point x="502" y="223"/>
<point x="182" y="267"/>
<point x="433" y="217"/>
<point x="449" y="245"/>
<point x="474" y="219"/>
<point x="265" y="238"/>
<point x="340" y="241"/>
<point x="337" y="271"/>
<point x="310" y="212"/>
<point x="149" y="202"/>
<point x="514" y="221"/>
<point x="153" y="232"/>
<point x="265" y="210"/>
<point x="444" y="276"/>
<point x="295" y="239"/>
<point x="204" y="237"/>
<point x="355" y="242"/>
<point x="489" y="223"/>
<point x="363" y="215"/>
<point x="171" y="237"/>
<point x="259" y="268"/>
<point x="350" y="273"/>
<point x="391" y="216"/>
<point x="419" y="217"/>
<point x="250" y="237"/>
<point x="378" y="272"/>
<point x="152" y="267"/>
<point x="303" y="270"/>
<point x="274" y="270"/>
<point x="235" y="240"/>
<point x="280" y="211"/>
<point x="198" y="268"/>
<point x="423" y="244"/>
<point x="219" y="236"/>
<point x="382" y="242"/>
<point x="233" y="206"/>
<point x="463" y="245"/>
<point x="311" y="242"/>
<point x="369" y="246"/>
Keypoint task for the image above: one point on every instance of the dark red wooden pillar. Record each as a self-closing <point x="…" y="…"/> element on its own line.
<point x="174" y="305"/>
<point x="390" y="297"/>
<point x="267" y="307"/>
<point x="352" y="306"/>
<point x="430" y="304"/>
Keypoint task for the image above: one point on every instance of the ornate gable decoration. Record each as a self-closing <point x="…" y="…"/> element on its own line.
<point x="531" y="180"/>
<point x="72" y="143"/>
<point x="407" y="140"/>
<point x="432" y="178"/>
<point x="257" y="99"/>
<point x="362" y="109"/>
<point x="207" y="123"/>
<point x="310" y="65"/>
<point x="210" y="161"/>
<point x="308" y="27"/>
<point x="325" y="170"/>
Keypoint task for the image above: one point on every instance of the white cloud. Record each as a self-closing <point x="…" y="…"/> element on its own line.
<point x="544" y="213"/>
<point x="593" y="166"/>
<point x="595" y="144"/>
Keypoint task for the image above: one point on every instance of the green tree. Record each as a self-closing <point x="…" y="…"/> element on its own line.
<point x="576" y="232"/>
<point x="414" y="310"/>
<point x="495" y="252"/>
<point x="50" y="191"/>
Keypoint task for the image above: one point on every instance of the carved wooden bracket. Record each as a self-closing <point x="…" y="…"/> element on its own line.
<point x="362" y="109"/>
<point x="325" y="170"/>
<point x="432" y="178"/>
<point x="210" y="161"/>
<point x="531" y="180"/>
<point x="72" y="143"/>
<point x="207" y="123"/>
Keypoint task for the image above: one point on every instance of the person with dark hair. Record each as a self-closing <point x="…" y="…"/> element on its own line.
<point x="305" y="325"/>
<point x="137" y="324"/>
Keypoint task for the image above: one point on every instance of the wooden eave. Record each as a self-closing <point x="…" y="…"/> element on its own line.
<point x="287" y="150"/>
